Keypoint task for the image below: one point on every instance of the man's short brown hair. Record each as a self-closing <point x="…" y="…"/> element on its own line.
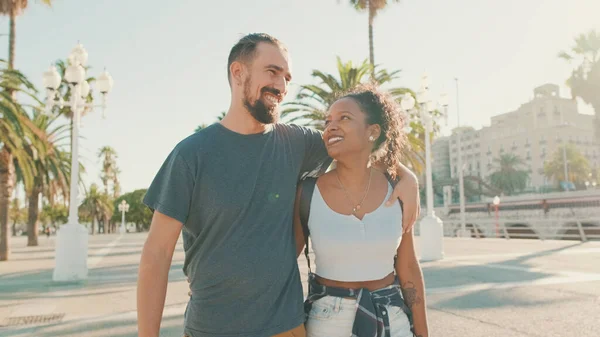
<point x="245" y="49"/>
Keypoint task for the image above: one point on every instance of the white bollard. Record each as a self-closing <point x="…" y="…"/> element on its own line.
<point x="71" y="253"/>
<point x="431" y="238"/>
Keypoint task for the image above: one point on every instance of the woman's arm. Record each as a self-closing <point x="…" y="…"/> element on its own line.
<point x="411" y="281"/>
<point x="298" y="233"/>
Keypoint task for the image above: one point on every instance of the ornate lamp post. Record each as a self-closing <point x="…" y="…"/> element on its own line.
<point x="432" y="230"/>
<point x="72" y="237"/>
<point x="123" y="207"/>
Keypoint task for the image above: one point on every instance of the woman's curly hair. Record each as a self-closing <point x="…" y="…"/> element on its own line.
<point x="382" y="109"/>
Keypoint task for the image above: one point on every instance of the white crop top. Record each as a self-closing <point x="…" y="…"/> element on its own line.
<point x="349" y="249"/>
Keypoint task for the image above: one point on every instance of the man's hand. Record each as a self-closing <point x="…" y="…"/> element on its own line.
<point x="407" y="190"/>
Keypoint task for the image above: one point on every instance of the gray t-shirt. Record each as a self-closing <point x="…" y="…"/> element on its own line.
<point x="235" y="194"/>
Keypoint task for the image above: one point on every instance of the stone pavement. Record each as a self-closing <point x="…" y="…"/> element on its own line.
<point x="489" y="287"/>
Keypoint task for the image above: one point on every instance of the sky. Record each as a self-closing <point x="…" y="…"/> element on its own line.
<point x="169" y="62"/>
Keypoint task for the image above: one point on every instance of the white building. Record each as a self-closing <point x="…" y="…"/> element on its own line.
<point x="533" y="132"/>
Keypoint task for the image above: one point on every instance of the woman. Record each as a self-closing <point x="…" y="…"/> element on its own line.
<point x="366" y="266"/>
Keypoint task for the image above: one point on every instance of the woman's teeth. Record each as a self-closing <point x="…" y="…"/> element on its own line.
<point x="335" y="140"/>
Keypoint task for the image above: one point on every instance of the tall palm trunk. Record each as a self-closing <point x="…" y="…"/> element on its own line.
<point x="32" y="222"/>
<point x="371" y="49"/>
<point x="6" y="188"/>
<point x="6" y="162"/>
<point x="11" y="37"/>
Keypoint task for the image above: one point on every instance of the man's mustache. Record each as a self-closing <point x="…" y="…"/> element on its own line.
<point x="272" y="91"/>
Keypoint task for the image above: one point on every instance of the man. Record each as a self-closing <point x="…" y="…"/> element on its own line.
<point x="231" y="188"/>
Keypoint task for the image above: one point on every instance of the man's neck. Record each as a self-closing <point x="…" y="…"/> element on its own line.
<point x="239" y="120"/>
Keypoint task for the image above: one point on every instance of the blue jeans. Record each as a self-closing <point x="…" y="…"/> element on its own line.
<point x="334" y="316"/>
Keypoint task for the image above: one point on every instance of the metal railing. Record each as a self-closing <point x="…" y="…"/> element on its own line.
<point x="575" y="228"/>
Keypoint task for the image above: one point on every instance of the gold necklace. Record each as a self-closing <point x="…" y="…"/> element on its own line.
<point x="357" y="207"/>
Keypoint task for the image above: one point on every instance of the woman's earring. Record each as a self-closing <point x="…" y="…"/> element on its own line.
<point x="371" y="138"/>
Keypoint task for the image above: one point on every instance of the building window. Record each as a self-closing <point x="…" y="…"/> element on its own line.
<point x="541" y="113"/>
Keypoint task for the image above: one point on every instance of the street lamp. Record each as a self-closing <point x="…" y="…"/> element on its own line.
<point x="496" y="202"/>
<point x="461" y="182"/>
<point x="123" y="207"/>
<point x="72" y="237"/>
<point x="432" y="230"/>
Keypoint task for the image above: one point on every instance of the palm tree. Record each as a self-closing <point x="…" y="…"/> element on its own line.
<point x="54" y="214"/>
<point x="509" y="177"/>
<point x="312" y="101"/>
<point x="16" y="132"/>
<point x="116" y="182"/>
<point x="53" y="171"/>
<point x="14" y="8"/>
<point x="200" y="127"/>
<point x="96" y="206"/>
<point x="108" y="156"/>
<point x="578" y="166"/>
<point x="204" y="125"/>
<point x="16" y="214"/>
<point x="109" y="172"/>
<point x="585" y="77"/>
<point x="373" y="7"/>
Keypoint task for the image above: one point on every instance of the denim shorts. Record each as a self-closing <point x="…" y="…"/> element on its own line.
<point x="334" y="316"/>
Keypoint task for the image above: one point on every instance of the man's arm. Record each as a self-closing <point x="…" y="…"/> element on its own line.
<point x="413" y="286"/>
<point x="154" y="273"/>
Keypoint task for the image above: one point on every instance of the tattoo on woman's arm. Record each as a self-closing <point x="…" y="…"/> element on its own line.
<point x="411" y="297"/>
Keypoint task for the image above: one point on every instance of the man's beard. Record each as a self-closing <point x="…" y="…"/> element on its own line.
<point x="258" y="110"/>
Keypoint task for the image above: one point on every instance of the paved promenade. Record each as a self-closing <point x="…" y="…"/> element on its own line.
<point x="490" y="287"/>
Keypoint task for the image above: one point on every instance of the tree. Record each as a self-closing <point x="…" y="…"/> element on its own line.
<point x="109" y="174"/>
<point x="96" y="206"/>
<point x="585" y="77"/>
<point x="52" y="174"/>
<point x="54" y="215"/>
<point x="16" y="132"/>
<point x="108" y="155"/>
<point x="17" y="214"/>
<point x="312" y="101"/>
<point x="508" y="176"/>
<point x="204" y="125"/>
<point x="200" y="127"/>
<point x="14" y="8"/>
<point x="372" y="7"/>
<point x="138" y="212"/>
<point x="578" y="166"/>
